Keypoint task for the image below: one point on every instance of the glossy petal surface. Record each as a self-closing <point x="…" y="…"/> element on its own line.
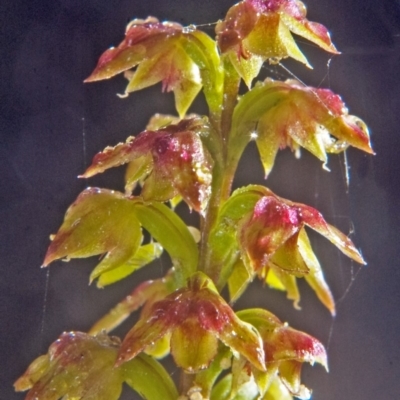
<point x="174" y="162"/>
<point x="282" y="342"/>
<point x="198" y="314"/>
<point x="183" y="60"/>
<point x="274" y="221"/>
<point x="143" y="256"/>
<point x="270" y="234"/>
<point x="262" y="29"/>
<point x="287" y="114"/>
<point x="99" y="221"/>
<point x="286" y="349"/>
<point x="77" y="366"/>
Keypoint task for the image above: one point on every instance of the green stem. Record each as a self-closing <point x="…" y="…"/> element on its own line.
<point x="222" y="176"/>
<point x="230" y="99"/>
<point x="185" y="382"/>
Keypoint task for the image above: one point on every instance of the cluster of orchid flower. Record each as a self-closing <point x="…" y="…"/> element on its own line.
<point x="250" y="233"/>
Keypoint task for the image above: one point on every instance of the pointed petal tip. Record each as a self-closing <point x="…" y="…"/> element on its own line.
<point x="48" y="259"/>
<point x="370" y="150"/>
<point x="333" y="50"/>
<point x="90" y="171"/>
<point x="125" y="354"/>
<point x="91" y="78"/>
<point x="120" y="360"/>
<point x="123" y="357"/>
<point x="357" y="257"/>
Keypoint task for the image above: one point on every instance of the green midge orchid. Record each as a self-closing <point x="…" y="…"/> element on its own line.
<point x="252" y="232"/>
<point x="254" y="31"/>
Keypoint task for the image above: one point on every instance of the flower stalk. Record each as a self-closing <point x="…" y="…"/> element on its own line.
<point x="251" y="233"/>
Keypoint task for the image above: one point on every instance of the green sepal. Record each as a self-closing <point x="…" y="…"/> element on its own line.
<point x="175" y="201"/>
<point x="160" y="348"/>
<point x="205" y="379"/>
<point x="289" y="372"/>
<point x="249" y="68"/>
<point x="264" y="379"/>
<point x="203" y="51"/>
<point x="222" y="241"/>
<point x="146" y="291"/>
<point x="316" y="277"/>
<point x="247" y="113"/>
<point x="137" y="169"/>
<point x="100" y="221"/>
<point x="277" y="390"/>
<point x="144" y="255"/>
<point x="161" y="67"/>
<point x="281" y="280"/>
<point x="222" y="391"/>
<point x="193" y="347"/>
<point x="76" y="366"/>
<point x="149" y="378"/>
<point x="238" y="280"/>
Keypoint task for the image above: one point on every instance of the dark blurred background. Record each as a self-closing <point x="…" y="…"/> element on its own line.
<point x="51" y="125"/>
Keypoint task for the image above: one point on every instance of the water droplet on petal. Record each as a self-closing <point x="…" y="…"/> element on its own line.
<point x="189" y="29"/>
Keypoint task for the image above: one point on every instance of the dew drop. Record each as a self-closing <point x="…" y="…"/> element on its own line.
<point x="253" y="135"/>
<point x="189" y="29"/>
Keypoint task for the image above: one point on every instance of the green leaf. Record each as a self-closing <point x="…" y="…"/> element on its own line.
<point x="173" y="235"/>
<point x="149" y="378"/>
<point x="144" y="255"/>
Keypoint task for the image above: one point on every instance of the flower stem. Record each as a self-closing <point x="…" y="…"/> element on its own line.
<point x="222" y="176"/>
